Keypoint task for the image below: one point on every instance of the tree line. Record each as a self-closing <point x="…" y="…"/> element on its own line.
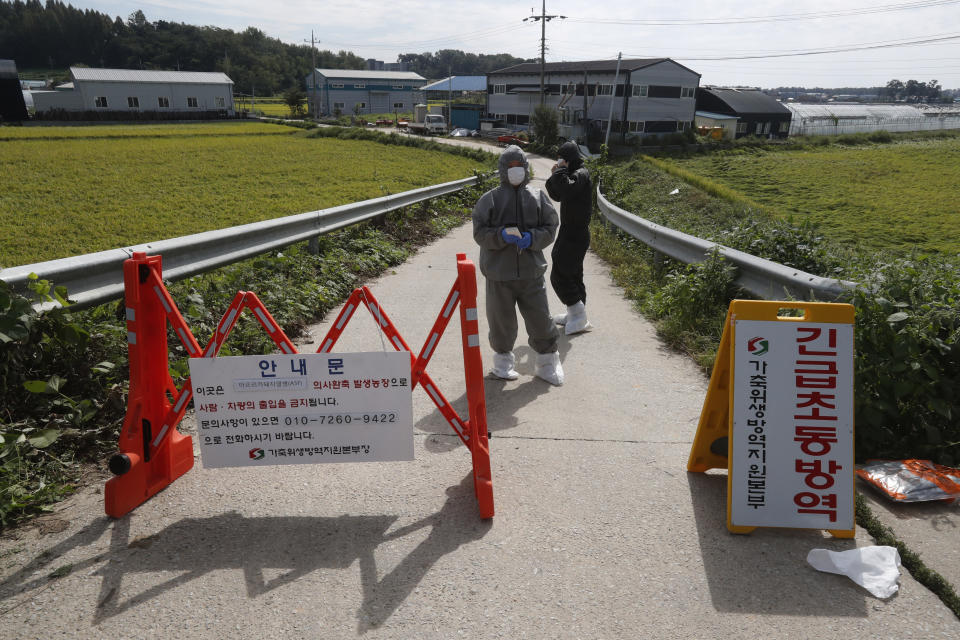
<point x="893" y="91"/>
<point x="53" y="35"/>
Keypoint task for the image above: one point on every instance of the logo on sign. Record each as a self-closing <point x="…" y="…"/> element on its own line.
<point x="257" y="454"/>
<point x="758" y="346"/>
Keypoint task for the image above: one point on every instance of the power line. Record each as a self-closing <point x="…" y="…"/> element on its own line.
<point x="816" y="52"/>
<point x="470" y="35"/>
<point x="786" y="17"/>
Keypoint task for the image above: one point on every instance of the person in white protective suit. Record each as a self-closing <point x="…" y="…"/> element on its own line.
<point x="513" y="224"/>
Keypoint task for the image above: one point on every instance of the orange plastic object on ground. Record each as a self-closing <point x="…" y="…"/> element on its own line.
<point x="913" y="480"/>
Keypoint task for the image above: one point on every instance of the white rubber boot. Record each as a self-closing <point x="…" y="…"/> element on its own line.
<point x="560" y="319"/>
<point x="503" y="366"/>
<point x="577" y="320"/>
<point x="549" y="368"/>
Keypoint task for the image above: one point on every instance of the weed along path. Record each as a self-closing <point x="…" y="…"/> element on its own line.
<point x="599" y="531"/>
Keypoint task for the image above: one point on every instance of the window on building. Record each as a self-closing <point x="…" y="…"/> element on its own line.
<point x="339" y="105"/>
<point x="362" y="105"/>
<point x="568" y="89"/>
<point x="681" y="126"/>
<point x="163" y="102"/>
<point x="221" y="103"/>
<point x="636" y="127"/>
<point x="360" y="85"/>
<point x="192" y="103"/>
<point x="336" y="85"/>
<point x="133" y="102"/>
<point x="686" y="92"/>
<point x="664" y="91"/>
<point x="605" y="90"/>
<point x="101" y="102"/>
<point x="759" y="130"/>
<point x="499" y="88"/>
<point x="741" y="127"/>
<point x="784" y="126"/>
<point x="398" y="105"/>
<point x="398" y="86"/>
<point x="639" y="91"/>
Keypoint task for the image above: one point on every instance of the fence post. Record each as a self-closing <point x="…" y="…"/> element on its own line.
<point x="142" y="471"/>
<point x="473" y="373"/>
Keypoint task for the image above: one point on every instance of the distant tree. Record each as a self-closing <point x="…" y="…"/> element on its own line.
<point x="294" y="98"/>
<point x="544" y="123"/>
<point x="914" y="90"/>
<point x="894" y="89"/>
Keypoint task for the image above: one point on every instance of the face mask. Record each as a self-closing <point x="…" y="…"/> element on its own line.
<point x="516" y="175"/>
<point x="561" y="162"/>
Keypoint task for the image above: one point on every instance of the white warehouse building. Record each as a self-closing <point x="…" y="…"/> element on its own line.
<point x="179" y="93"/>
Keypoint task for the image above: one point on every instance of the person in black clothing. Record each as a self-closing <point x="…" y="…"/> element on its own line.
<point x="571" y="186"/>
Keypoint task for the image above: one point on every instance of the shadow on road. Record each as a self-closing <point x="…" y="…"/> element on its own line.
<point x="504" y="400"/>
<point x="766" y="572"/>
<point x="297" y="546"/>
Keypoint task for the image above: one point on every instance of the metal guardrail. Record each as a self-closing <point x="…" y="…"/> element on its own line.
<point x="763" y="278"/>
<point x="95" y="278"/>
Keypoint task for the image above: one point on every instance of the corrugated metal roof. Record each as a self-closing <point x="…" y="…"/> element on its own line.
<point x="584" y="65"/>
<point x="458" y="83"/>
<point x="139" y="75"/>
<point x="746" y="100"/>
<point x="370" y="75"/>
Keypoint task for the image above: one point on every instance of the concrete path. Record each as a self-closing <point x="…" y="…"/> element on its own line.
<point x="599" y="533"/>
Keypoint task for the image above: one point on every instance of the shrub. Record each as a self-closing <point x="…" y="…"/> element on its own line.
<point x="544" y="125"/>
<point x="908" y="360"/>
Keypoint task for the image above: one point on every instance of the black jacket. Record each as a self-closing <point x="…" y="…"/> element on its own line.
<point x="573" y="189"/>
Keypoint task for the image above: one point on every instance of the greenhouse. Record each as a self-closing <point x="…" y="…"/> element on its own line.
<point x="832" y="119"/>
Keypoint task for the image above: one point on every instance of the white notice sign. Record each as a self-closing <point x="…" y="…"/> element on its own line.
<point x="303" y="408"/>
<point x="792" y="463"/>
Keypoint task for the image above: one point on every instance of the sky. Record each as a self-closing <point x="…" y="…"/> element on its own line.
<point x="814" y="43"/>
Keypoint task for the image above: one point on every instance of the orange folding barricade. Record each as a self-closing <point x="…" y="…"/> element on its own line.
<point x="153" y="453"/>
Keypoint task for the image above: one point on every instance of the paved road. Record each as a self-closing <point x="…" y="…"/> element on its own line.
<point x="599" y="532"/>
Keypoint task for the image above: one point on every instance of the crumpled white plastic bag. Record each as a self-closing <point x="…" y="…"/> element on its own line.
<point x="875" y="568"/>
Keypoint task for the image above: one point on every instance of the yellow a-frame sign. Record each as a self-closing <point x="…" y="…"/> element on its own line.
<point x="779" y="416"/>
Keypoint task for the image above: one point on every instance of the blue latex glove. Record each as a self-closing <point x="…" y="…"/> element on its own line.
<point x="508" y="238"/>
<point x="524" y="241"/>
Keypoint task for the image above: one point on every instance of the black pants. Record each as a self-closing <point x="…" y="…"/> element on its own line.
<point x="566" y="276"/>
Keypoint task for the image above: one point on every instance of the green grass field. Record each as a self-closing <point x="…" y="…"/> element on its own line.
<point x="74" y="190"/>
<point x="895" y="196"/>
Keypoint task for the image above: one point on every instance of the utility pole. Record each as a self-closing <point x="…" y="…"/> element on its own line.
<point x="613" y="95"/>
<point x="543" y="18"/>
<point x="313" y="72"/>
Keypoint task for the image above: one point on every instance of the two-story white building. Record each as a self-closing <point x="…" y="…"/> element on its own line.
<point x="648" y="96"/>
<point x="347" y="91"/>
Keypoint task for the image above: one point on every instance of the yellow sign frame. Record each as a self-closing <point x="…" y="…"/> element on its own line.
<point x="713" y="444"/>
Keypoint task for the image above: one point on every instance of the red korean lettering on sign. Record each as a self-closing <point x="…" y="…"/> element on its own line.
<point x="815" y="371"/>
